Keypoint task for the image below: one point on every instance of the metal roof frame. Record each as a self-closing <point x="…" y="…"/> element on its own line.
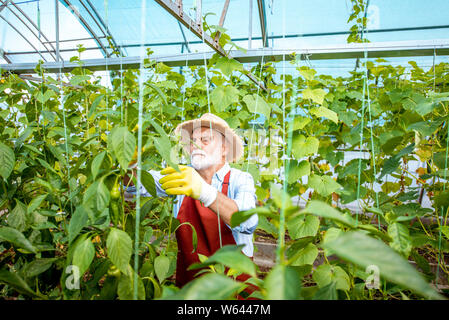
<point x="263" y="22"/>
<point x="348" y="51"/>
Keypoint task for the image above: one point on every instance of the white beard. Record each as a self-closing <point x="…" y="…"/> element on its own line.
<point x="200" y="160"/>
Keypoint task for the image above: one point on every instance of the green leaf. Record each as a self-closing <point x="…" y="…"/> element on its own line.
<point x="326" y="273"/>
<point x="401" y="238"/>
<point x="296" y="170"/>
<point x="119" y="248"/>
<point x="392" y="163"/>
<point x="330" y="235"/>
<point x="96" y="164"/>
<point x="123" y="144"/>
<point x="162" y="267"/>
<point x="231" y="256"/>
<point x="282" y="283"/>
<point x="14" y="280"/>
<point x="326" y="113"/>
<point x="163" y="145"/>
<point x="94" y="105"/>
<point x="316" y="95"/>
<point x="7" y="161"/>
<point x="35" y="203"/>
<point x="77" y="222"/>
<point x="148" y="182"/>
<point x="308" y="73"/>
<point x="257" y="104"/>
<point x="37" y="267"/>
<point x="328" y="292"/>
<point x="16" y="238"/>
<point x="362" y="250"/>
<point x="302" y="146"/>
<point x="224" y="96"/>
<point x="103" y="195"/>
<point x="324" y="185"/>
<point x="305" y="256"/>
<point x="125" y="288"/>
<point x="227" y="65"/>
<point x="240" y="216"/>
<point x="298" y="123"/>
<point x="18" y="217"/>
<point x="324" y="210"/>
<point x="212" y="286"/>
<point x="303" y="226"/>
<point x="44" y="97"/>
<point x="83" y="255"/>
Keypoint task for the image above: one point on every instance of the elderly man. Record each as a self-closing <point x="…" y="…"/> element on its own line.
<point x="212" y="144"/>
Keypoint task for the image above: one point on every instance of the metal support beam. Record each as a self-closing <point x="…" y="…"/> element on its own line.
<point x="25" y="38"/>
<point x="263" y="22"/>
<point x="87" y="26"/>
<point x="30" y="29"/>
<point x="348" y="51"/>
<point x="222" y="18"/>
<point x="3" y="6"/>
<point x="107" y="33"/>
<point x="176" y="11"/>
<point x="186" y="43"/>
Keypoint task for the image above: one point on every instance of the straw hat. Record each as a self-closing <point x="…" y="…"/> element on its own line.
<point x="235" y="143"/>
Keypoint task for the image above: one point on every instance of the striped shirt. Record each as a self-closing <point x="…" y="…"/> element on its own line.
<point x="241" y="189"/>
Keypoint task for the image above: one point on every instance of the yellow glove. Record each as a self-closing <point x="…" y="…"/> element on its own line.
<point x="189" y="183"/>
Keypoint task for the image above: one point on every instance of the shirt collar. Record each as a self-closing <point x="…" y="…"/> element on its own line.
<point x="220" y="174"/>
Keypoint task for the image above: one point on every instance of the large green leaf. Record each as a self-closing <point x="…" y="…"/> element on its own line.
<point x="324" y="185"/>
<point x="324" y="210"/>
<point x="326" y="113"/>
<point x="14" y="280"/>
<point x="364" y="251"/>
<point x="125" y="288"/>
<point x="282" y="283"/>
<point x="316" y="95"/>
<point x="163" y="144"/>
<point x="303" y="226"/>
<point x="83" y="255"/>
<point x="296" y="170"/>
<point x="224" y="96"/>
<point x="16" y="238"/>
<point x="401" y="238"/>
<point x="305" y="256"/>
<point x="303" y="147"/>
<point x="35" y="203"/>
<point x="103" y="195"/>
<point x="18" y="217"/>
<point x="240" y="216"/>
<point x="212" y="286"/>
<point x="77" y="222"/>
<point x="96" y="164"/>
<point x="257" y="104"/>
<point x="119" y="248"/>
<point x="162" y="267"/>
<point x="37" y="266"/>
<point x="326" y="273"/>
<point x="148" y="182"/>
<point x="231" y="256"/>
<point x="391" y="164"/>
<point x="227" y="65"/>
<point x="7" y="161"/>
<point x="123" y="144"/>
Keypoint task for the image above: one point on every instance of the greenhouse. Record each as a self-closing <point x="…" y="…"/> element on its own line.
<point x="224" y="150"/>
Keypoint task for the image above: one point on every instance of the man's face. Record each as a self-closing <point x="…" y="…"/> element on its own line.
<point x="206" y="148"/>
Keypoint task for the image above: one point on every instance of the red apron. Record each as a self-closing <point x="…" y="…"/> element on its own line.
<point x="205" y="222"/>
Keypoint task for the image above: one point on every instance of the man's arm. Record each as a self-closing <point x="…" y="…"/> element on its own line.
<point x="225" y="207"/>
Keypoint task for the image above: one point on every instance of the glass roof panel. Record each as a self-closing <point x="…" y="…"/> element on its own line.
<point x="290" y="24"/>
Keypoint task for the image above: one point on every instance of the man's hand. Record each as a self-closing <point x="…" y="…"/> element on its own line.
<point x="189" y="183"/>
